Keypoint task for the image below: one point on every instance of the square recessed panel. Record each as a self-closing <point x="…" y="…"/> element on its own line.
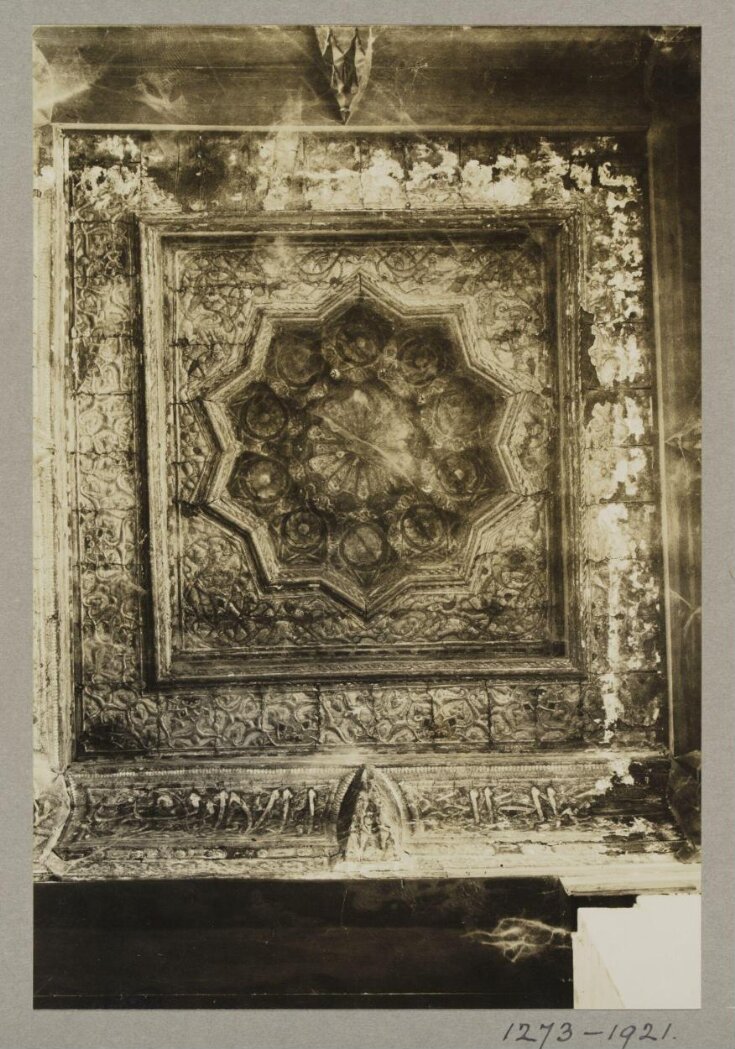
<point x="356" y="440"/>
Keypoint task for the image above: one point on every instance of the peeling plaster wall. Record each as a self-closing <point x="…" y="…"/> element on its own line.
<point x="111" y="177"/>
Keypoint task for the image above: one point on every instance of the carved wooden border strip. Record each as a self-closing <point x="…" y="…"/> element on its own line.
<point x="285" y="819"/>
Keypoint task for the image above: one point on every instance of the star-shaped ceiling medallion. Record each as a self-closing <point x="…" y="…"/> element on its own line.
<point x="366" y="446"/>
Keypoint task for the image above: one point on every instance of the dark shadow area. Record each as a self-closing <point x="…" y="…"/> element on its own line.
<point x="223" y="944"/>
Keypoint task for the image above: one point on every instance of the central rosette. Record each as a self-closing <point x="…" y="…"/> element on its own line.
<point x="366" y="447"/>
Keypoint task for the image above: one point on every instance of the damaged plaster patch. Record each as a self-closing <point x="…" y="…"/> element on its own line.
<point x="616" y="359"/>
<point x="619" y="773"/>
<point x="550" y="169"/>
<point x="51" y="809"/>
<point x="331" y="175"/>
<point x="608" y="537"/>
<point x="121" y="147"/>
<point x="619" y="531"/>
<point x="162" y="153"/>
<point x="626" y="183"/>
<point x="341" y="188"/>
<point x="582" y="176"/>
<point x="277" y="160"/>
<point x="44" y="180"/>
<point x="613" y="709"/>
<point x="503" y="183"/>
<point x="616" y="473"/>
<point x="381" y="181"/>
<point x="616" y="424"/>
<point x="433" y="177"/>
<point x="107" y="191"/>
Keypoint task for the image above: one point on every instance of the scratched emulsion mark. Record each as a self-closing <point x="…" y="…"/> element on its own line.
<point x="519" y="939"/>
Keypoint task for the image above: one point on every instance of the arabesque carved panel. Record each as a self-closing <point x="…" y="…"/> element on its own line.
<point x="360" y="447"/>
<point x="393" y="817"/>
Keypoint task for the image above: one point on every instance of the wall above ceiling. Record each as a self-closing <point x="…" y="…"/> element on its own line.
<point x="419" y="76"/>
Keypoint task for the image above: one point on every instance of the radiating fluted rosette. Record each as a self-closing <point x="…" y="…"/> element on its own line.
<point x="366" y="445"/>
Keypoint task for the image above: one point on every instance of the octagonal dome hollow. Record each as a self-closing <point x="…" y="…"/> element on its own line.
<point x="359" y="448"/>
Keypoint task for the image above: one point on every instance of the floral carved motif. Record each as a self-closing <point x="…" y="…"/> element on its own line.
<point x="365" y="443"/>
<point x="388" y="816"/>
<point x="222" y="603"/>
<point x="212" y="811"/>
<point x="365" y="447"/>
<point x="473" y="244"/>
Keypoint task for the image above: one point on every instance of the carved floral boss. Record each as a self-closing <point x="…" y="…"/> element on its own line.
<point x="366" y="446"/>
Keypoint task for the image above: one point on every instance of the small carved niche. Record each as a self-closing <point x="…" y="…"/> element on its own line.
<point x="369" y="823"/>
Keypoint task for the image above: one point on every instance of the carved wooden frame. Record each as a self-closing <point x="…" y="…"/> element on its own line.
<point x="560" y="228"/>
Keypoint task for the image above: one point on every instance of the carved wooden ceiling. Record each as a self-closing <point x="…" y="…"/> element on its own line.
<point x="351" y="461"/>
<point x="350" y="478"/>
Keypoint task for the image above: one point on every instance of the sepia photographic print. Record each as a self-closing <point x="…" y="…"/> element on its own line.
<point x="367" y="573"/>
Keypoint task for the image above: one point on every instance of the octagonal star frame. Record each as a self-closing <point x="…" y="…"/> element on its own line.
<point x="359" y="290"/>
<point x="455" y="316"/>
